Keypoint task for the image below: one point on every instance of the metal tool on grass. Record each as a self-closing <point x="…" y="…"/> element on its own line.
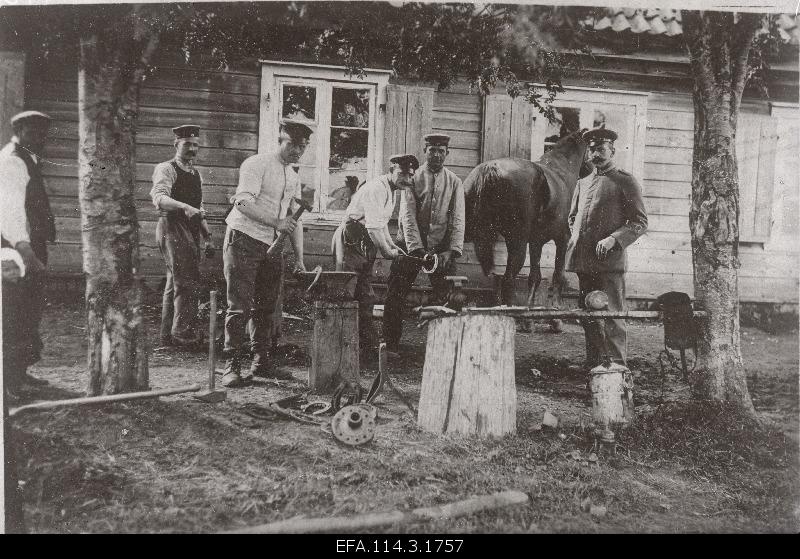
<point x="212" y="395"/>
<point x="277" y="246"/>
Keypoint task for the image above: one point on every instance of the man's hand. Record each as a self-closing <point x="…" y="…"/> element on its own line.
<point x="445" y="258"/>
<point x="287" y="225"/>
<point x="604" y="247"/>
<point x="191" y="212"/>
<point x="299" y="267"/>
<point x="11" y="271"/>
<point x="32" y="264"/>
<point x="418" y="253"/>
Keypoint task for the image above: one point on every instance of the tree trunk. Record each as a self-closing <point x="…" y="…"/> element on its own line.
<point x="718" y="48"/>
<point x="108" y="89"/>
<point x="334" y="348"/>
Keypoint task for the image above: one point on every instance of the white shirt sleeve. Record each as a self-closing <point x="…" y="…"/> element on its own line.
<point x="373" y="201"/>
<point x="251" y="173"/>
<point x="164" y="176"/>
<point x="13" y="219"/>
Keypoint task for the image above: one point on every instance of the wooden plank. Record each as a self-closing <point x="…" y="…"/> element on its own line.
<point x="462" y="139"/>
<point x="673" y="120"/>
<point x="667" y="172"/>
<point x="671" y="155"/>
<point x="665" y="137"/>
<point x="419" y="120"/>
<point x="462" y="158"/>
<point x="219" y="81"/>
<point x="766" y="177"/>
<point x="58" y="148"/>
<point x="521" y="125"/>
<point x="669" y="223"/>
<point x="162" y="118"/>
<point x="58" y="167"/>
<point x="12" y="91"/>
<point x="394" y="140"/>
<point x="457" y="102"/>
<point x="667" y="189"/>
<point x="668" y="206"/>
<point x="496" y="127"/>
<point x="748" y="148"/>
<point x="446" y="120"/>
<point x="67" y="91"/>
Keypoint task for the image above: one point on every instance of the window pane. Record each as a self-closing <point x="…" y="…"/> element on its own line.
<point x="308" y="184"/>
<point x="350" y="107"/>
<point x="343" y="185"/>
<point x="349" y="148"/>
<point x="299" y="102"/>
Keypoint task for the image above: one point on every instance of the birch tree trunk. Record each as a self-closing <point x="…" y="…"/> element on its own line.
<point x="112" y="62"/>
<point x="719" y="44"/>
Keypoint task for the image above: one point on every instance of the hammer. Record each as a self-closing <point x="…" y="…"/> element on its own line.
<point x="278" y="244"/>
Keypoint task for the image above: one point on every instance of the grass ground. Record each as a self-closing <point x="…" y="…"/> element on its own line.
<point x="177" y="465"/>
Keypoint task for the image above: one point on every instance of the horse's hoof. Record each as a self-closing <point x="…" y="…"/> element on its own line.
<point x="556" y="326"/>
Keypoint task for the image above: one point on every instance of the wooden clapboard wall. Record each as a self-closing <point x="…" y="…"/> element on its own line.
<point x="224" y="104"/>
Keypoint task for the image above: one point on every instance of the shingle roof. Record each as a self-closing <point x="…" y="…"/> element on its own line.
<point x="657" y="21"/>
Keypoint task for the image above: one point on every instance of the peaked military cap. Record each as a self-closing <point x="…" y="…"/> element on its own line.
<point x="599" y="135"/>
<point x="28" y="115"/>
<point x="405" y="160"/>
<point x="437" y="140"/>
<point x="186" y="131"/>
<point x="296" y="130"/>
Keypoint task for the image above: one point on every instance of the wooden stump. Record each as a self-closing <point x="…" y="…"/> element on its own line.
<point x="334" y="349"/>
<point x="468" y="378"/>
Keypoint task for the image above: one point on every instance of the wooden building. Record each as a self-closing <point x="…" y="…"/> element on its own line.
<point x="360" y="122"/>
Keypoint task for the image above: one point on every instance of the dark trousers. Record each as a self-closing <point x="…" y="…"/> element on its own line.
<point x="254" y="289"/>
<point x="23" y="303"/>
<point x="180" y="249"/>
<point x="402" y="275"/>
<point x="608" y="336"/>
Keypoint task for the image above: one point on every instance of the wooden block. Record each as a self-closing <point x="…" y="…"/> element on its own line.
<point x="468" y="377"/>
<point x="334" y="348"/>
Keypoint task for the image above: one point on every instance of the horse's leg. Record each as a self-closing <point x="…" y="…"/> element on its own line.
<point x="559" y="280"/>
<point x="534" y="279"/>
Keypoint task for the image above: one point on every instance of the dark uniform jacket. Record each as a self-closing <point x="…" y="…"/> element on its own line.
<point x="604" y="205"/>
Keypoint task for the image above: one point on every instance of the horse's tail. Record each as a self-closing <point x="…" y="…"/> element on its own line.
<point x="484" y="189"/>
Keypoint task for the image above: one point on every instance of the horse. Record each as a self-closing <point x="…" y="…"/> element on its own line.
<point x="528" y="204"/>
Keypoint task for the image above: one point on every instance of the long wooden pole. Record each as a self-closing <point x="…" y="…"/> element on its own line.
<point x="212" y="340"/>
<point x="51" y="404"/>
<point x="348" y="524"/>
<point x="523" y="312"/>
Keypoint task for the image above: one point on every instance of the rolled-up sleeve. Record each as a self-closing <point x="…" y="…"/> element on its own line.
<point x="13" y="219"/>
<point x="457" y="220"/>
<point x="373" y="207"/>
<point x="251" y="174"/>
<point x="164" y="176"/>
<point x="408" y="218"/>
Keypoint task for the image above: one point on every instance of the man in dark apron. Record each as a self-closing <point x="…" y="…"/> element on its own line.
<point x="177" y="192"/>
<point x="27" y="225"/>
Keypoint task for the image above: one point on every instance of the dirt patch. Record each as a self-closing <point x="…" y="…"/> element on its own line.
<point x="178" y="465"/>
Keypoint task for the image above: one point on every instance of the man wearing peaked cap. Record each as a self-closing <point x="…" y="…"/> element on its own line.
<point x="262" y="209"/>
<point x="178" y="193"/>
<point x="607" y="216"/>
<point x="295" y="130"/>
<point x="598" y="136"/>
<point x="364" y="231"/>
<point x="431" y="221"/>
<point x="27" y="224"/>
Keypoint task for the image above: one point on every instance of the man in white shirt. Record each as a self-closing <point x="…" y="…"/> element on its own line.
<point x="27" y="225"/>
<point x="365" y="231"/>
<point x="178" y="193"/>
<point x="262" y="207"/>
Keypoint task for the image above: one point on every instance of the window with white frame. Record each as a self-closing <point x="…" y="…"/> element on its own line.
<point x="347" y="120"/>
<point x="578" y="108"/>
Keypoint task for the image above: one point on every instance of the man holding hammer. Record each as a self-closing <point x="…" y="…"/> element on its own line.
<point x="261" y="217"/>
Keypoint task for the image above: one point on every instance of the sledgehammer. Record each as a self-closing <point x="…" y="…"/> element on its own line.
<point x="277" y="246"/>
